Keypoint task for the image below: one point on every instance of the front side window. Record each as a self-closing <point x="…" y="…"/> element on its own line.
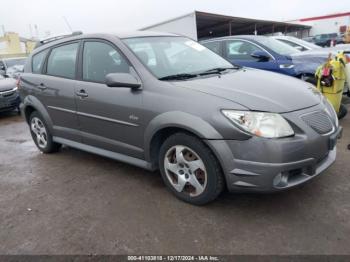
<point x="277" y="46"/>
<point x="62" y="61"/>
<point x="213" y="46"/>
<point x="38" y="61"/>
<point x="240" y="50"/>
<point x="172" y="55"/>
<point x="100" y="59"/>
<point x="292" y="44"/>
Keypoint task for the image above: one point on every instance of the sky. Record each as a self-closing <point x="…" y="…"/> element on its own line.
<point x="22" y="16"/>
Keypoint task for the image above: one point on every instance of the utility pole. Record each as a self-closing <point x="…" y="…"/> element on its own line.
<point x="3" y="29"/>
<point x="67" y="23"/>
<point x="30" y="31"/>
<point x="36" y="31"/>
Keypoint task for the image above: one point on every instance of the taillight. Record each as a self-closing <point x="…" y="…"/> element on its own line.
<point x="347" y="58"/>
<point x="18" y="82"/>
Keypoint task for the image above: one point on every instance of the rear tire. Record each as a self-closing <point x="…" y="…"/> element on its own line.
<point x="41" y="134"/>
<point x="190" y="169"/>
<point x="343" y="111"/>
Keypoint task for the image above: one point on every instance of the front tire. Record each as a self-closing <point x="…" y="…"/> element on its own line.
<point x="41" y="134"/>
<point x="190" y="169"/>
<point x="343" y="111"/>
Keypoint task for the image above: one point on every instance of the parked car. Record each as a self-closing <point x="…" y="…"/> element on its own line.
<point x="315" y="51"/>
<point x="325" y="40"/>
<point x="11" y="67"/>
<point x="267" y="53"/>
<point x="9" y="97"/>
<point x="303" y="45"/>
<point x="297" y="43"/>
<point x="162" y="101"/>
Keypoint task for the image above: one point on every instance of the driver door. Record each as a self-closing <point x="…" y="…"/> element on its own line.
<point x="239" y="52"/>
<point x="107" y="116"/>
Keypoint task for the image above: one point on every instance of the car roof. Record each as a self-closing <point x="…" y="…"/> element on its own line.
<point x="14" y="58"/>
<point x="121" y="35"/>
<point x="248" y="37"/>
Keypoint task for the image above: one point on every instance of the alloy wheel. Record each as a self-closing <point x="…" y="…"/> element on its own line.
<point x="185" y="170"/>
<point x="39" y="131"/>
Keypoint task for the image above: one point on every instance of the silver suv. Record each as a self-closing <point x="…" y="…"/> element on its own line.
<point x="162" y="101"/>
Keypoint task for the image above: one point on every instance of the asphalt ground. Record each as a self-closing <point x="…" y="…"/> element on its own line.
<point x="74" y="202"/>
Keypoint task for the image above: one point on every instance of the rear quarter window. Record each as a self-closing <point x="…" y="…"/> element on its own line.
<point x="62" y="60"/>
<point x="38" y="61"/>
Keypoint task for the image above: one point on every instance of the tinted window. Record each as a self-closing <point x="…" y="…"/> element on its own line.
<point x="213" y="46"/>
<point x="292" y="44"/>
<point x="62" y="61"/>
<point x="100" y="59"/>
<point x="240" y="50"/>
<point x="38" y="61"/>
<point x="165" y="56"/>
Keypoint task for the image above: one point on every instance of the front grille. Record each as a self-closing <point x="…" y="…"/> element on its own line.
<point x="319" y="121"/>
<point x="7" y="93"/>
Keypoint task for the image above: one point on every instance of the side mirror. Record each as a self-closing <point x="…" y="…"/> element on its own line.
<point x="122" y="80"/>
<point x="300" y="48"/>
<point x="262" y="56"/>
<point x="2" y="68"/>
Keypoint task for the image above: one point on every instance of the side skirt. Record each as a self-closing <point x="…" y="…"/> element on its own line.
<point x="106" y="153"/>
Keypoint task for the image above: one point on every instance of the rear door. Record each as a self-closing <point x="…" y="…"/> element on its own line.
<point x="239" y="52"/>
<point x="53" y="83"/>
<point x="108" y="117"/>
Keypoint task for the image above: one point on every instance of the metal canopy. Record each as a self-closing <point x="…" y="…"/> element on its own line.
<point x="214" y="25"/>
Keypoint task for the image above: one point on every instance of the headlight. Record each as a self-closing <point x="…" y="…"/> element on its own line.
<point x="261" y="124"/>
<point x="286" y="66"/>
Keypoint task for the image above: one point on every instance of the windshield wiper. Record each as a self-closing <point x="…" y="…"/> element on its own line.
<point x="218" y="70"/>
<point x="178" y="77"/>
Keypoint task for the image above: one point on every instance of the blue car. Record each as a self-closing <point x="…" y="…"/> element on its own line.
<point x="266" y="53"/>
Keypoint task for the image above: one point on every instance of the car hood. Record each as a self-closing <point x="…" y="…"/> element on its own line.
<point x="307" y="62"/>
<point x="257" y="90"/>
<point x="7" y="84"/>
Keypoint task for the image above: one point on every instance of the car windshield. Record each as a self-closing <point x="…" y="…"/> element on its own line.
<point x="15" y="61"/>
<point x="277" y="46"/>
<point x="172" y="56"/>
<point x="300" y="42"/>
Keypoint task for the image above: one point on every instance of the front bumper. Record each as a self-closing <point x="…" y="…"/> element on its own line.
<point x="268" y="165"/>
<point x="9" y="101"/>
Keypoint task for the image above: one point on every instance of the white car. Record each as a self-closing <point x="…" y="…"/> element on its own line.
<point x="313" y="49"/>
<point x="303" y="45"/>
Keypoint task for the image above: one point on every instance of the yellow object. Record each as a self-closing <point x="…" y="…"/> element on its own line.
<point x="333" y="89"/>
<point x="347" y="36"/>
<point x="12" y="45"/>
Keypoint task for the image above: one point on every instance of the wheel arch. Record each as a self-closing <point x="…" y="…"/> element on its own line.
<point x="31" y="104"/>
<point x="170" y="123"/>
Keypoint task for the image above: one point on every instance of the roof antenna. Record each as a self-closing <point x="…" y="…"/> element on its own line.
<point x="67" y="23"/>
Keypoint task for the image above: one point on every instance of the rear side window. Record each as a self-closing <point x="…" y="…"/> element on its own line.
<point x="100" y="59"/>
<point x="240" y="50"/>
<point x="62" y="61"/>
<point x="38" y="61"/>
<point x="213" y="46"/>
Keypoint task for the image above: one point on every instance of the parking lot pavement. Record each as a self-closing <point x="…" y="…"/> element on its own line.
<point x="74" y="202"/>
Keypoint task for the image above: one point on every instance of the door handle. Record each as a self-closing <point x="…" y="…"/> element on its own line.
<point x="42" y="86"/>
<point x="82" y="93"/>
